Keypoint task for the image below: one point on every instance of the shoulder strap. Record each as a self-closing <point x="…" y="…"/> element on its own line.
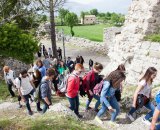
<point x="20" y="81"/>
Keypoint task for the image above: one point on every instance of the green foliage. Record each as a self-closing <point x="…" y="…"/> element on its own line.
<point x="87" y="31"/>
<point x="17" y="44"/>
<point x="62" y="13"/>
<point x="94" y="12"/>
<point x="4" y="93"/>
<point x="153" y="38"/>
<point x="71" y="20"/>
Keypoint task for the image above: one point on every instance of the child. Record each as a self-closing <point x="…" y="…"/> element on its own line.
<point x="107" y="97"/>
<point x="73" y="88"/>
<point x="143" y="95"/>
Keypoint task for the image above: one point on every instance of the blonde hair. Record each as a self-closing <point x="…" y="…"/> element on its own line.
<point x="5" y="68"/>
<point x="78" y="66"/>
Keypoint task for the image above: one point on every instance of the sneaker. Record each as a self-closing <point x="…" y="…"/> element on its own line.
<point x="98" y="120"/>
<point x="30" y="113"/>
<point x="39" y="109"/>
<point x="130" y="117"/>
<point x="20" y="106"/>
<point x="113" y="124"/>
<point x="147" y="122"/>
<point x="80" y="116"/>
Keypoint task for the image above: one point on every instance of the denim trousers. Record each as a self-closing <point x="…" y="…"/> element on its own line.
<point x="26" y="97"/>
<point x="149" y="106"/>
<point x="114" y="104"/>
<point x="90" y="99"/>
<point x="74" y="104"/>
<point x="45" y="106"/>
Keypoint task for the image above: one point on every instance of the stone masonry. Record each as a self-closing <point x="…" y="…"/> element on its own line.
<point x="129" y="47"/>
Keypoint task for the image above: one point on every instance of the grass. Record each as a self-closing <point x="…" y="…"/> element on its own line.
<point x="153" y="38"/>
<point x="3" y="91"/>
<point x="49" y="121"/>
<point x="91" y="32"/>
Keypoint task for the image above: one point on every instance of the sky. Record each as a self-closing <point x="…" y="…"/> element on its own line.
<point x="118" y="6"/>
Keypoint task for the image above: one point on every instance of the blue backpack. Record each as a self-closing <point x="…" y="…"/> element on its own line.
<point x="157" y="97"/>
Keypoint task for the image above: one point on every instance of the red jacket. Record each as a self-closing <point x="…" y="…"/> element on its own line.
<point x="73" y="86"/>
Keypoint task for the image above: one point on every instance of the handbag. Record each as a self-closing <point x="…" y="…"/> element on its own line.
<point x="141" y="100"/>
<point x="118" y="95"/>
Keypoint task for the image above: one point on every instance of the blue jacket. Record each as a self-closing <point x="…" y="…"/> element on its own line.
<point x="107" y="92"/>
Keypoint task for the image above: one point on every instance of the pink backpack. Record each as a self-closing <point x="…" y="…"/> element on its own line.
<point x="98" y="88"/>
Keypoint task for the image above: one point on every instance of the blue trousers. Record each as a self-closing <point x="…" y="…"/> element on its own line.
<point x="114" y="104"/>
<point x="90" y="99"/>
<point x="74" y="104"/>
<point x="149" y="106"/>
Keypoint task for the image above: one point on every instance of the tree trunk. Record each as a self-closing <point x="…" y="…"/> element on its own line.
<point x="53" y="35"/>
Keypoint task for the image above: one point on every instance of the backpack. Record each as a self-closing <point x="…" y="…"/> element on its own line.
<point x="84" y="81"/>
<point x="63" y="86"/>
<point x="37" y="94"/>
<point x="98" y="88"/>
<point x="157" y="98"/>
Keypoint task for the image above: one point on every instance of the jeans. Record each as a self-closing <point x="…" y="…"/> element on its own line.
<point x="158" y="127"/>
<point x="149" y="106"/>
<point x="90" y="99"/>
<point x="74" y="104"/>
<point x="10" y="89"/>
<point x="114" y="104"/>
<point x="26" y="97"/>
<point x="45" y="106"/>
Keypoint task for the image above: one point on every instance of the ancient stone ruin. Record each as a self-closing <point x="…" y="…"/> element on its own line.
<point x="128" y="45"/>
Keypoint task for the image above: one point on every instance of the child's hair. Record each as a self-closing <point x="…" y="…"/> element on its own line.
<point x="149" y="72"/>
<point x="39" y="61"/>
<point x="115" y="76"/>
<point x="121" y="67"/>
<point x="50" y="72"/>
<point x="6" y="68"/>
<point x="23" y="72"/>
<point x="79" y="66"/>
<point x="98" y="66"/>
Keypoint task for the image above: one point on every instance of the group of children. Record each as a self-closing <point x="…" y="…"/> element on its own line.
<point x="45" y="78"/>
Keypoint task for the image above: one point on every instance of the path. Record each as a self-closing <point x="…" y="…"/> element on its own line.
<point x="73" y="51"/>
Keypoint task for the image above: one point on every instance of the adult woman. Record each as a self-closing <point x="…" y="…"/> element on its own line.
<point x="143" y="94"/>
<point x="107" y="98"/>
<point x="73" y="88"/>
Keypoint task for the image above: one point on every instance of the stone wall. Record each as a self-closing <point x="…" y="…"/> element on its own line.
<point x="82" y="42"/>
<point x="128" y="47"/>
<point x="15" y="65"/>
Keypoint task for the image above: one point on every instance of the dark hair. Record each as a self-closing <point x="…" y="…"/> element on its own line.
<point x="98" y="66"/>
<point x="115" y="76"/>
<point x="50" y="72"/>
<point x="23" y="72"/>
<point x="38" y="73"/>
<point x="121" y="67"/>
<point x="149" y="72"/>
<point x="39" y="61"/>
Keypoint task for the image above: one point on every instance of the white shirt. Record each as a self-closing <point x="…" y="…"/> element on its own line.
<point x="9" y="76"/>
<point x="146" y="88"/>
<point x="25" y="86"/>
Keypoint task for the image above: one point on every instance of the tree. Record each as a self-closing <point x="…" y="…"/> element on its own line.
<point x="17" y="44"/>
<point x="115" y="18"/>
<point x="82" y="16"/>
<point x="71" y="20"/>
<point x="94" y="12"/>
<point x="52" y="6"/>
<point x="62" y="14"/>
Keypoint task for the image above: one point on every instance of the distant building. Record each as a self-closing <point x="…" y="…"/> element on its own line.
<point x="88" y="19"/>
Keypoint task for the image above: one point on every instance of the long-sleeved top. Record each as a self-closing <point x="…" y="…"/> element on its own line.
<point x="45" y="89"/>
<point x="9" y="77"/>
<point x="43" y="71"/>
<point x="73" y="85"/>
<point x="107" y="92"/>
